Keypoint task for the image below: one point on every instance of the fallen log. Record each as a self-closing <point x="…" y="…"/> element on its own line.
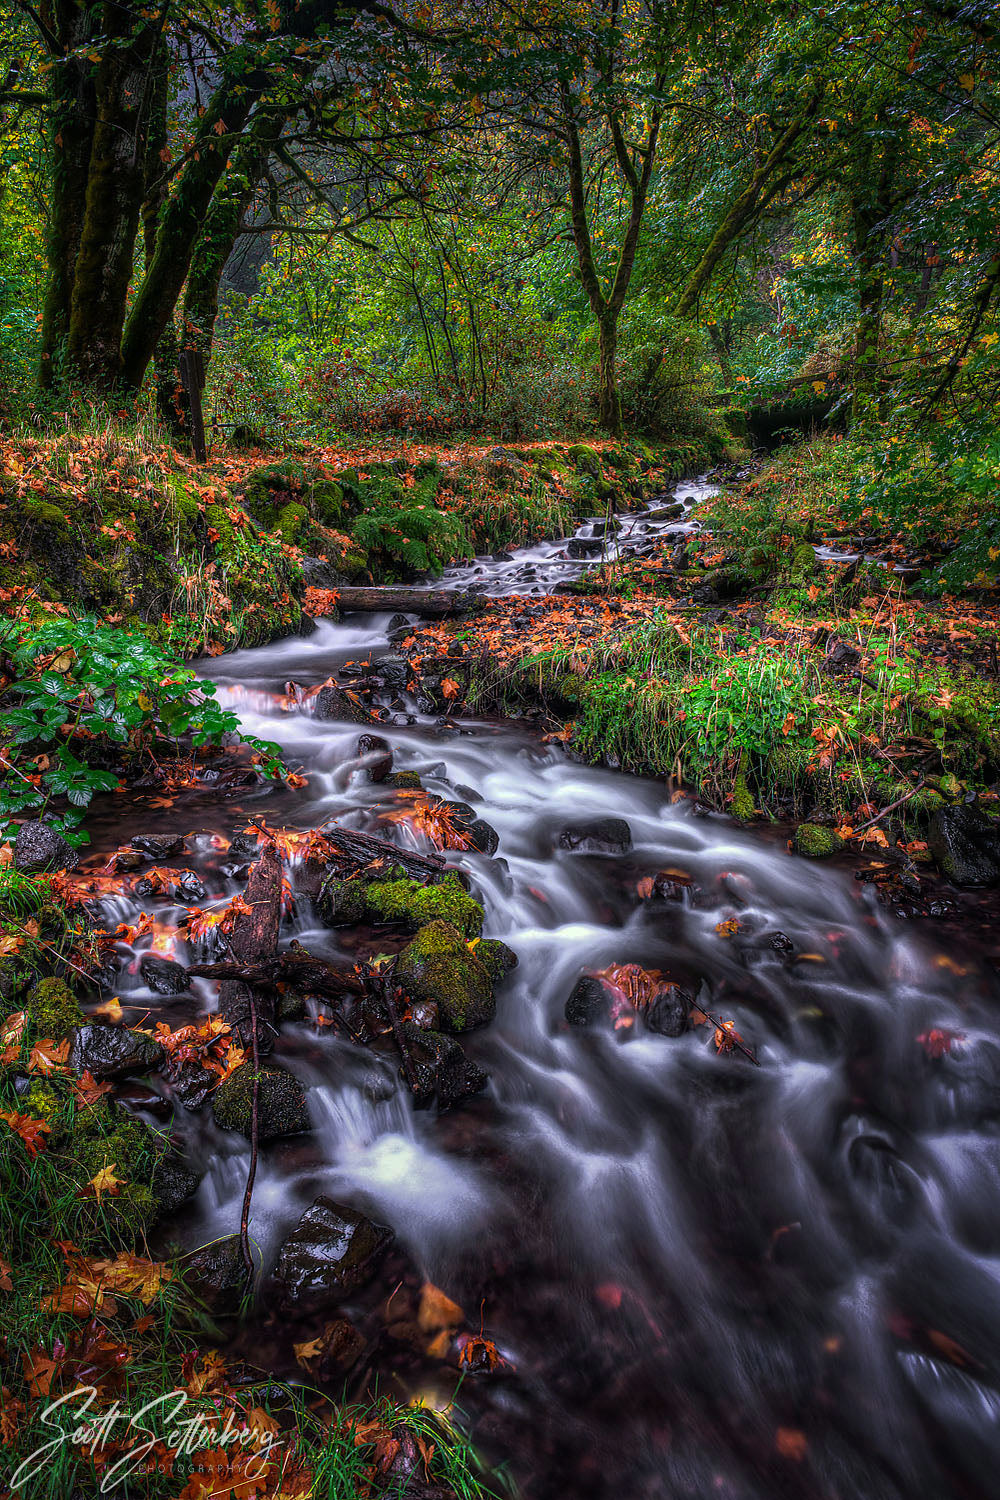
<point x="253" y="940"/>
<point x="295" y="967"/>
<point x="366" y="849"/>
<point x="393" y="597"/>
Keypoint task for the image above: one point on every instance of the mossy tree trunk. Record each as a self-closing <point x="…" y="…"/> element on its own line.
<point x="871" y="204"/>
<point x="70" y="119"/>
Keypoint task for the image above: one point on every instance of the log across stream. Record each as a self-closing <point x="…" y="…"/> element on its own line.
<point x="703" y="1278"/>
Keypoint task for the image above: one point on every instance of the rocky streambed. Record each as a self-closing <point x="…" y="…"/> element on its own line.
<point x="676" y="1153"/>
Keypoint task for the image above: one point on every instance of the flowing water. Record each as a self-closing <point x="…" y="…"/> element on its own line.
<point x="706" y="1278"/>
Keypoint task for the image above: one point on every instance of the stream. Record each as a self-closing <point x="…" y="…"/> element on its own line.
<point x="705" y="1278"/>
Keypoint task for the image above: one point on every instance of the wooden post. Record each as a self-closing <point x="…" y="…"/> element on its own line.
<point x="192" y="371"/>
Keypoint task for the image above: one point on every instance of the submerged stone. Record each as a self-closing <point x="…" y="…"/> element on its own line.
<point x="597" y="836"/>
<point x="441" y="1068"/>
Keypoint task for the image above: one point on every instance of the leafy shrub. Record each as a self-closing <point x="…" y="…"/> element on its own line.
<point x="84" y="694"/>
<point x="675" y="398"/>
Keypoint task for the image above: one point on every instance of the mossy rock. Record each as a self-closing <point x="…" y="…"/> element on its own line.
<point x="496" y="958"/>
<point x="437" y="965"/>
<point x="281" y="1103"/>
<point x="293" y="520"/>
<point x="816" y="842"/>
<point x="131" y="1150"/>
<point x="53" y="1009"/>
<point x="341" y="903"/>
<point x="586" y="459"/>
<point x="409" y="901"/>
<point x="44" y="513"/>
<point x="404" y="780"/>
<point x="328" y="503"/>
<point x="742" y="805"/>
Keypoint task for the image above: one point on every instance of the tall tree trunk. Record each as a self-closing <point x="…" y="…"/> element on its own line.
<point x="870" y="234"/>
<point x="71" y="130"/>
<point x="115" y="191"/>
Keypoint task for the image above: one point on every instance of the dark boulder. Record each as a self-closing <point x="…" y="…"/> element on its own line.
<point x="172" y="1182"/>
<point x="374" y="748"/>
<point x="157" y="845"/>
<point x="332" y="703"/>
<point x="588" y="1003"/>
<point x="38" y="847"/>
<point x="163" y="975"/>
<point x="332" y="1251"/>
<point x="668" y="1011"/>
<point x="217" y="1273"/>
<point x="392" y="672"/>
<point x="966" y="845"/>
<point x="597" y="836"/>
<point x="113" y="1052"/>
<point x="441" y="1069"/>
<point x="482" y="836"/>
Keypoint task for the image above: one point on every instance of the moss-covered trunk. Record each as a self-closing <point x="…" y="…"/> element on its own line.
<point x="70" y="131"/>
<point x="609" y="398"/>
<point x="115" y="191"/>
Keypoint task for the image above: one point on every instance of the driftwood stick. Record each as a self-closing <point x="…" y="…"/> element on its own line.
<point x="411" y="601"/>
<point x="295" y="967"/>
<point x="891" y="808"/>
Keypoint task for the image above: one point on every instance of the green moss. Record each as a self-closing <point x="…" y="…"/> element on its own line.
<point x="293" y="519"/>
<point x="106" y="1138"/>
<point x="342" y="902"/>
<point x="53" y="1009"/>
<point x="327" y="499"/>
<point x="407" y="780"/>
<point x="408" y="901"/>
<point x="496" y="958"/>
<point x="437" y="965"/>
<point x="281" y="1108"/>
<point x="742" y="805"/>
<point x="45" y="514"/>
<point x="586" y="459"/>
<point x="816" y="842"/>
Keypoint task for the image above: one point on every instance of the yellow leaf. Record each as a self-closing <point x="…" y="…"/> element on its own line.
<point x="105" y="1181"/>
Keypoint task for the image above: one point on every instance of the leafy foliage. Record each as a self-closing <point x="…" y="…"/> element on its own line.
<point x="86" y="694"/>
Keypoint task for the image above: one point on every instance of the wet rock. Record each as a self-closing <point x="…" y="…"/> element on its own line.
<point x="583" y="546"/>
<point x="332" y="1251"/>
<point x="187" y="886"/>
<point x="425" y="1014"/>
<point x="966" y="845"/>
<point x="438" y="965"/>
<point x="393" y="672"/>
<point x="668" y="1011"/>
<point x="441" y="1068"/>
<point x="281" y="1103"/>
<point x="318" y="573"/>
<point x="113" y="1052"/>
<point x="191" y="1084"/>
<point x="840" y="657"/>
<point x="588" y="1003"/>
<point x="157" y="845"/>
<point x="597" y="836"/>
<point x="398" y="622"/>
<point x="244" y="845"/>
<point x="38" y="847"/>
<point x="780" y="943"/>
<point x="127" y="860"/>
<point x="664" y="513"/>
<point x="482" y="836"/>
<point x="163" y="975"/>
<point x="406" y="781"/>
<point x="378" y="1087"/>
<point x="172" y="1182"/>
<point x="381" y="751"/>
<point x="332" y="703"/>
<point x="217" y="1274"/>
<point x="816" y="842"/>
